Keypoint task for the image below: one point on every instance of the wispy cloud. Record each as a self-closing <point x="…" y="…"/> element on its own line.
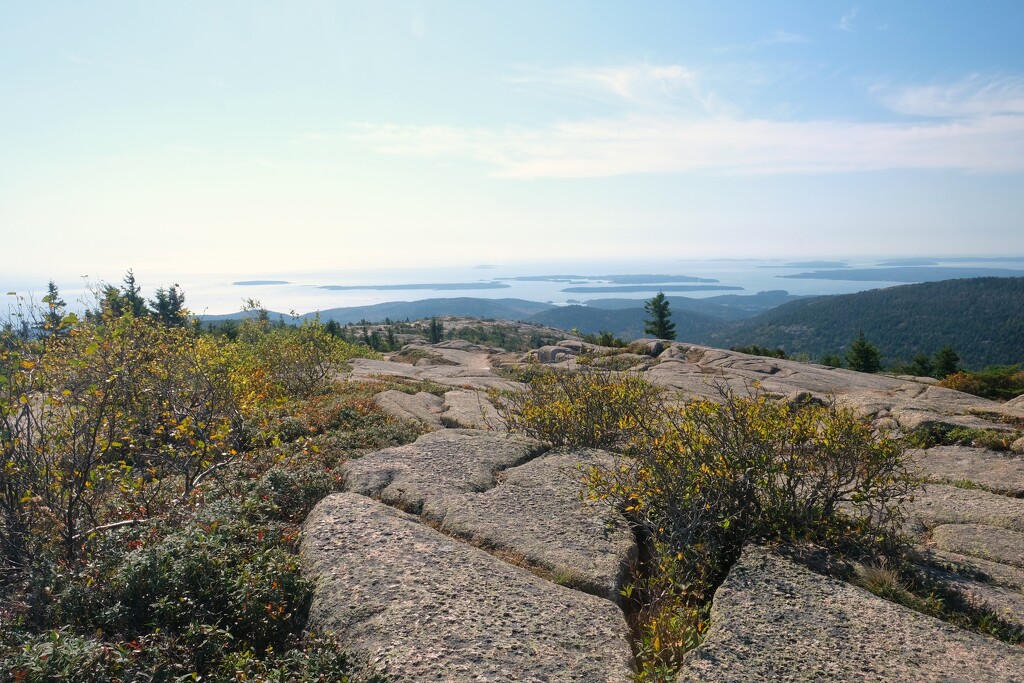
<point x="642" y="84"/>
<point x="976" y="125"/>
<point x="846" y="21"/>
<point x="974" y="96"/>
<point x="659" y="145"/>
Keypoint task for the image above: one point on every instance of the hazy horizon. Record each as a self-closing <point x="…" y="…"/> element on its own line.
<point x="311" y="290"/>
<point x="187" y="138"/>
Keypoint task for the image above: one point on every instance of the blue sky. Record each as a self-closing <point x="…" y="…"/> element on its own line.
<point x="259" y="137"/>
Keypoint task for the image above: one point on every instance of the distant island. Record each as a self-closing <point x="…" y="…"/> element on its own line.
<point x="648" y="288"/>
<point x="435" y="286"/>
<point x="905" y="274"/>
<point x="636" y="279"/>
<point x="250" y="283"/>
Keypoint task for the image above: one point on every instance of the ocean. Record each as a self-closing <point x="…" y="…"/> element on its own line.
<point x="557" y="283"/>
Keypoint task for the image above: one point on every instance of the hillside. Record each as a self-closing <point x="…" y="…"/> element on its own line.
<point x="981" y="318"/>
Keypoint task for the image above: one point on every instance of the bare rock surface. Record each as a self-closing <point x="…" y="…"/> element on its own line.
<point x="994" y="573"/>
<point x="470" y="410"/>
<point x="438" y="464"/>
<point x="938" y="504"/>
<point x="773" y="620"/>
<point x="1007" y="603"/>
<point x="993" y="470"/>
<point x="477" y="374"/>
<point x="420" y="407"/>
<point x="431" y="608"/>
<point x="700" y="371"/>
<point x="989" y="543"/>
<point x="537" y="513"/>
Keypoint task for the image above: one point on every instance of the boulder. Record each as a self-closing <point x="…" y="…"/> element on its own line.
<point x="427" y="607"/>
<point x="537" y="514"/>
<point x="451" y="461"/>
<point x="773" y="620"/>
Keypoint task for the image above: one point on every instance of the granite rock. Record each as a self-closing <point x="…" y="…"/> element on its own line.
<point x="427" y="607"/>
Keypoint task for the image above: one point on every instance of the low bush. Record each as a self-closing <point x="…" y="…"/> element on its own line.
<point x="587" y="407"/>
<point x="1000" y="382"/>
<point x="707" y="477"/>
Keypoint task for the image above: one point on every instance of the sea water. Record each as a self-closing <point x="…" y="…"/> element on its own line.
<point x="307" y="291"/>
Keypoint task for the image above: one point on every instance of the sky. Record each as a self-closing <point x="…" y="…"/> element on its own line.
<point x="256" y="137"/>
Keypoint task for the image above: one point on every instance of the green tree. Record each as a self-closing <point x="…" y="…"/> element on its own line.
<point x="946" y="362"/>
<point x="920" y="366"/>
<point x="863" y="356"/>
<point x="169" y="306"/>
<point x="435" y="333"/>
<point x="659" y="324"/>
<point x="53" y="314"/>
<point x="832" y="360"/>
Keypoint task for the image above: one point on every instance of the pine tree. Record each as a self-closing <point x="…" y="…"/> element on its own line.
<point x="169" y="306"/>
<point x="658" y="325"/>
<point x="53" y="316"/>
<point x="946" y="362"/>
<point x="863" y="356"/>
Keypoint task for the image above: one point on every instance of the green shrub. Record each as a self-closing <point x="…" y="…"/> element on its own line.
<point x="708" y="477"/>
<point x="586" y="407"/>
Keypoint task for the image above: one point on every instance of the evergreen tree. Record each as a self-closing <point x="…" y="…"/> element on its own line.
<point x="946" y="362"/>
<point x="131" y="296"/>
<point x="53" y="316"/>
<point x="435" y="333"/>
<point x="659" y="324"/>
<point x="863" y="356"/>
<point x="920" y="366"/>
<point x="169" y="306"/>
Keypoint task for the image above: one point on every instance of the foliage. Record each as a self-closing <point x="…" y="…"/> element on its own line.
<point x="435" y="331"/>
<point x="702" y="479"/>
<point x="586" y="407"/>
<point x="659" y="324"/>
<point x="301" y="360"/>
<point x="938" y="434"/>
<point x="148" y="509"/>
<point x="999" y="382"/>
<point x="982" y="318"/>
<point x="755" y="350"/>
<point x="863" y="356"/>
<point x="831" y="360"/>
<point x="607" y="339"/>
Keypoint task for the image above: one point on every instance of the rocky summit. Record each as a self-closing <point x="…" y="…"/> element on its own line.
<point x="470" y="554"/>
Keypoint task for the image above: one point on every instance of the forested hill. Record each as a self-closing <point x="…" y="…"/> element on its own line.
<point x="981" y="318"/>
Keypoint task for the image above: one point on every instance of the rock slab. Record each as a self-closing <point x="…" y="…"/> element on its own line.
<point x="452" y="461"/>
<point x="538" y="514"/>
<point x="773" y="620"/>
<point x="430" y="608"/>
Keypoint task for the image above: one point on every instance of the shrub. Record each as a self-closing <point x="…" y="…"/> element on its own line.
<point x="586" y="407"/>
<point x="705" y="478"/>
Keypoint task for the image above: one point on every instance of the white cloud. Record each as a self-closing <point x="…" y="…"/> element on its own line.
<point x="976" y="125"/>
<point x="633" y="145"/>
<point x="640" y="84"/>
<point x="974" y="96"/>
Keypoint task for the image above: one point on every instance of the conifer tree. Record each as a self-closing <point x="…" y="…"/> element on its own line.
<point x="863" y="356"/>
<point x="659" y="324"/>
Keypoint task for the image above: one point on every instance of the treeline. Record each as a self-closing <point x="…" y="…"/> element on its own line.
<point x="982" y="318"/>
